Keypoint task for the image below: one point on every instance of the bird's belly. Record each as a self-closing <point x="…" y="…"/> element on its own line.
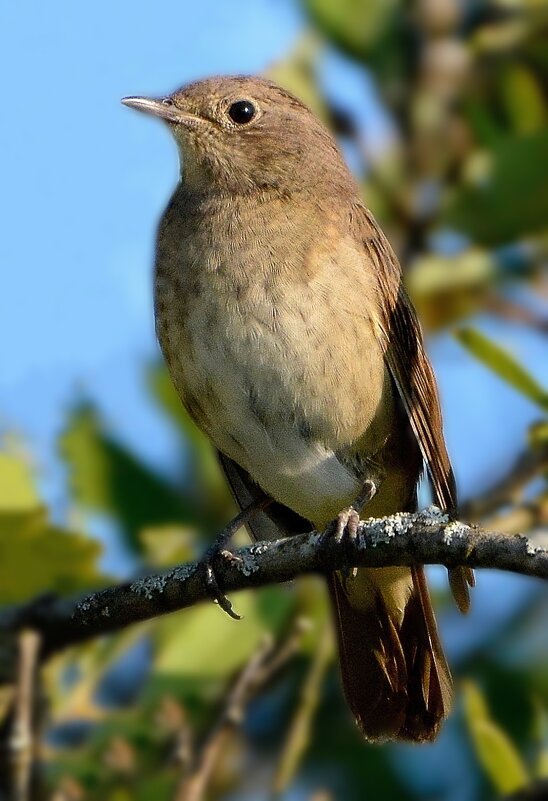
<point x="280" y="392"/>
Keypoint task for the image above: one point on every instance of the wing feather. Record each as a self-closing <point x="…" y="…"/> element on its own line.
<point x="400" y="331"/>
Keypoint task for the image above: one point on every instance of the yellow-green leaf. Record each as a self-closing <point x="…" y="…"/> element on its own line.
<point x="503" y="364"/>
<point x="494" y="750"/>
<point x="17" y="490"/>
<point x="523" y="99"/>
<point x="36" y="557"/>
<point x="205" y="643"/>
<point x="354" y="25"/>
<point x="541" y="767"/>
<point x="498" y="757"/>
<point x="538" y="434"/>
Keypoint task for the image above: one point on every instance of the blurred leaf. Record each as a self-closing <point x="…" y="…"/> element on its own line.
<point x="523" y="99"/>
<point x="354" y="25"/>
<point x="503" y="364"/>
<point x="541" y="767"/>
<point x="541" y="738"/>
<point x="498" y="757"/>
<point x="445" y="288"/>
<point x="105" y="477"/>
<point x="433" y="273"/>
<point x="36" y="557"/>
<point x="203" y="642"/>
<point x="154" y="788"/>
<point x="475" y="705"/>
<point x="538" y="434"/>
<point x="494" y="750"/>
<point x="168" y="544"/>
<point x="17" y="490"/>
<point x="486" y="128"/>
<point x="511" y="201"/>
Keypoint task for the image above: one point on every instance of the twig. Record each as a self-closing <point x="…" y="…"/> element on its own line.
<point x="402" y="539"/>
<point x="298" y="736"/>
<point x="527" y="466"/>
<point x="264" y="663"/>
<point x="22" y="739"/>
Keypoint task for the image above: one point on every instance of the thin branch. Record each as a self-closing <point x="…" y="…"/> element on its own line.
<point x="527" y="466"/>
<point x="264" y="663"/>
<point x="297" y="737"/>
<point x="193" y="787"/>
<point x="22" y="740"/>
<point x="403" y="539"/>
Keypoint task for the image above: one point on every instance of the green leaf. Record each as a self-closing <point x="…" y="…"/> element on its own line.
<point x="503" y="364"/>
<point x="36" y="557"/>
<point x="512" y="200"/>
<point x="484" y="125"/>
<point x="204" y="643"/>
<point x="541" y="739"/>
<point x="541" y="766"/>
<point x="17" y="490"/>
<point x="495" y="752"/>
<point x="498" y="757"/>
<point x="107" y="478"/>
<point x="354" y="25"/>
<point x="523" y="99"/>
<point x="538" y="434"/>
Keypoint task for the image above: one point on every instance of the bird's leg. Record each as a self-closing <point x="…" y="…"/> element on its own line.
<point x="218" y="548"/>
<point x="347" y="521"/>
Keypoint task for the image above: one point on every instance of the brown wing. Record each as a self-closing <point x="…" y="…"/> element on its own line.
<point x="414" y="378"/>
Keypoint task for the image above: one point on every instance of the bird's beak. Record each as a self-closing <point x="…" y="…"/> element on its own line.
<point x="163" y="108"/>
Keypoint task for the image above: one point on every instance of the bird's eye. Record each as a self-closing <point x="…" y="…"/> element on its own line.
<point x="242" y="111"/>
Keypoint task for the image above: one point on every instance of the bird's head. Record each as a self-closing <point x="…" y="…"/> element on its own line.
<point x="243" y="134"/>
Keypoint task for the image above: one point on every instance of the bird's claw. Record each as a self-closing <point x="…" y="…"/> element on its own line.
<point x="346" y="524"/>
<point x="218" y="549"/>
<point x="212" y="585"/>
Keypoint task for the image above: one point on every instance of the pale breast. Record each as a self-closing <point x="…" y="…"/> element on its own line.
<point x="270" y="343"/>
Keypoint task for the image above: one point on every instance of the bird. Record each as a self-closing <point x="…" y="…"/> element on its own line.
<point x="288" y="334"/>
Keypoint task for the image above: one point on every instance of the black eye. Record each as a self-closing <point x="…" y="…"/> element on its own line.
<point x="241" y="111"/>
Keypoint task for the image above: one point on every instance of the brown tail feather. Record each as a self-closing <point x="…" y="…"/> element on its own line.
<point x="395" y="676"/>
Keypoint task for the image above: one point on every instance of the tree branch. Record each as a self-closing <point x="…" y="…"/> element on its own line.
<point x="428" y="537"/>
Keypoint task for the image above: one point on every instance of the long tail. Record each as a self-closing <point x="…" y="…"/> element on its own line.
<point x="394" y="672"/>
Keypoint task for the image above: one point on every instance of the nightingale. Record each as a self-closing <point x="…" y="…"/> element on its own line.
<point x="290" y="339"/>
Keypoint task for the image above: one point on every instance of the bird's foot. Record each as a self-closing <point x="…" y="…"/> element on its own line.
<point x="212" y="585"/>
<point x="346" y="524"/>
<point x="219" y="550"/>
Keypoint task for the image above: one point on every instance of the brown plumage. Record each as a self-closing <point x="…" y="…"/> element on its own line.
<point x="290" y="339"/>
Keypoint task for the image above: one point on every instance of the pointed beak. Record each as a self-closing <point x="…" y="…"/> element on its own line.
<point x="161" y="107"/>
